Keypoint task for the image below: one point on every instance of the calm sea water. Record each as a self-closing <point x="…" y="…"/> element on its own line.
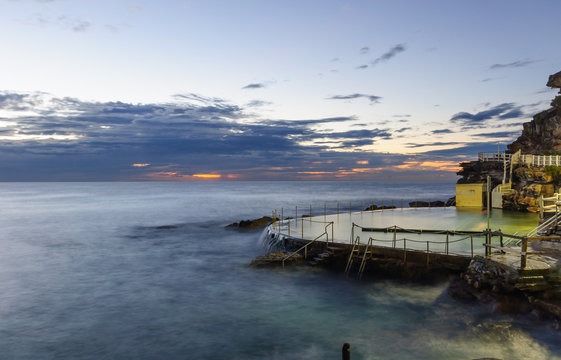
<point x="87" y="272"/>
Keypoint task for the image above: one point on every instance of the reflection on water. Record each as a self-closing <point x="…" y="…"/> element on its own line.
<point x="146" y="271"/>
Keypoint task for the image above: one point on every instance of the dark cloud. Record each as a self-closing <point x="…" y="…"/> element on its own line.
<point x="502" y="112"/>
<point x="402" y="129"/>
<point x="414" y="145"/>
<point x="515" y="64"/>
<point x="254" y="86"/>
<point x="258" y="103"/>
<point x="372" y="98"/>
<point x="500" y="134"/>
<point x="364" y="50"/>
<point x="81" y="26"/>
<point x="389" y="54"/>
<point x="357" y="143"/>
<point x="442" y="131"/>
<point x="362" y="67"/>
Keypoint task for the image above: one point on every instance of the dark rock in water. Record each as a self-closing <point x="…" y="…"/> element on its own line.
<point x="437" y="203"/>
<point x="451" y="201"/>
<point x="376" y="207"/>
<point x="250" y="225"/>
<point x="461" y="290"/>
<point x="275" y="259"/>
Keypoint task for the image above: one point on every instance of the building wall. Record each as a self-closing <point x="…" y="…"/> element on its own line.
<point x="470" y="195"/>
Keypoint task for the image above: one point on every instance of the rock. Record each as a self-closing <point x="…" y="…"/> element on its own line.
<point x="275" y="258"/>
<point x="250" y="225"/>
<point x="460" y="290"/>
<point x="376" y="207"/>
<point x="416" y="204"/>
<point x="511" y="305"/>
<point x="554" y="81"/>
<point x="451" y="201"/>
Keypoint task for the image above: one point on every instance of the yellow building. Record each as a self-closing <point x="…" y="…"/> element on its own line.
<point x="471" y="195"/>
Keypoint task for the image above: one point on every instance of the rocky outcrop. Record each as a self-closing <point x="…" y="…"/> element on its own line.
<point x="475" y="172"/>
<point x="250" y="225"/>
<point x="554" y="81"/>
<point x="417" y="204"/>
<point x="376" y="207"/>
<point x="542" y="135"/>
<point x="529" y="184"/>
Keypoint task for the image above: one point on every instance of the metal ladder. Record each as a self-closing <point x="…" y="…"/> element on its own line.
<point x="355" y="251"/>
<point x="368" y="252"/>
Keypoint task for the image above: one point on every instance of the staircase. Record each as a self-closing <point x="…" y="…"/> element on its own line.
<point x="539" y="280"/>
<point x="324" y="257"/>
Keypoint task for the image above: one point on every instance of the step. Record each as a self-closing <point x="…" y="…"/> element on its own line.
<point x="534" y="272"/>
<point x="533" y="287"/>
<point x="335" y="248"/>
<point x="530" y="279"/>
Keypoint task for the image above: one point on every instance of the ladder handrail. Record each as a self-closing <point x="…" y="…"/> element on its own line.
<point x="305" y="247"/>
<point x="369" y="250"/>
<point x="356" y="244"/>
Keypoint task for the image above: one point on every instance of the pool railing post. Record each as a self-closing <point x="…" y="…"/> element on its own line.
<point x="524" y="256"/>
<point x="337" y="210"/>
<point x="471" y="240"/>
<point x="296" y="219"/>
<point x="428" y="254"/>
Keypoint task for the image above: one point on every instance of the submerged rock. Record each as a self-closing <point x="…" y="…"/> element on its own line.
<point x="250" y="225"/>
<point x="275" y="258"/>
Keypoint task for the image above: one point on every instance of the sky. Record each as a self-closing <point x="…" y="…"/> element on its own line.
<point x="123" y="90"/>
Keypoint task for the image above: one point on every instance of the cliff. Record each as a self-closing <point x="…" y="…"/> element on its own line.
<point x="541" y="136"/>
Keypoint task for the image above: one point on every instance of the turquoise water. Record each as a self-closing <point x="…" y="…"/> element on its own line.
<point x="88" y="272"/>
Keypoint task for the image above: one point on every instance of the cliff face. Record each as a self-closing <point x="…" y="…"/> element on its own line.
<point x="541" y="136"/>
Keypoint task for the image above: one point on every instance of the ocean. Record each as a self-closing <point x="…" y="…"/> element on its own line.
<point x="146" y="270"/>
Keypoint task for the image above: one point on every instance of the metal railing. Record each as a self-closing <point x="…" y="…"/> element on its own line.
<point x="305" y="247"/>
<point x="523" y="252"/>
<point x="528" y="159"/>
<point x="498" y="156"/>
<point x="443" y="244"/>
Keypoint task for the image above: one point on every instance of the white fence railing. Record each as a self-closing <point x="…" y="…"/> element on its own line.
<point x="528" y="159"/>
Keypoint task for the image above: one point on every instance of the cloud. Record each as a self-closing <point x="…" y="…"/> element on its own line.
<point x="390" y="54"/>
<point x="515" y="64"/>
<point x="57" y="138"/>
<point x="442" y="131"/>
<point x="364" y="50"/>
<point x="254" y="86"/>
<point x="362" y="67"/>
<point x="373" y="98"/>
<point x="502" y="112"/>
<point x="81" y="26"/>
<point x="258" y="103"/>
<point x="402" y="130"/>
<point x="500" y="134"/>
